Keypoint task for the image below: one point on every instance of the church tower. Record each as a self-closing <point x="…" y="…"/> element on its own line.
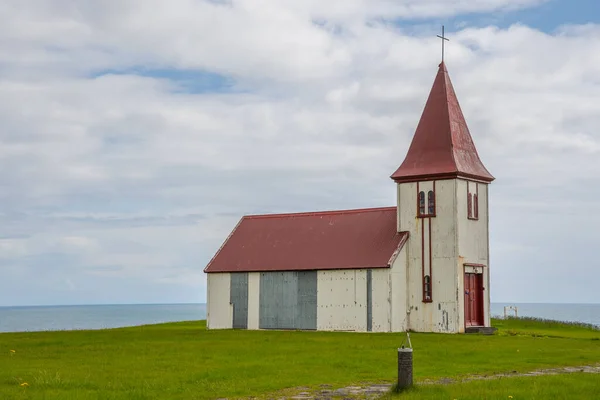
<point x="442" y="192"/>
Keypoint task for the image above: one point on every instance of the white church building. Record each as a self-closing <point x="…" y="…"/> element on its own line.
<point x="422" y="265"/>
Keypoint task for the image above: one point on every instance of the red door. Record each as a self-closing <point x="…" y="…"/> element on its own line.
<point x="473" y="299"/>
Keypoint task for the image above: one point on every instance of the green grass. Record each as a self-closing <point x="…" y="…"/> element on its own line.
<point x="542" y="327"/>
<point x="185" y="361"/>
<point x="568" y="386"/>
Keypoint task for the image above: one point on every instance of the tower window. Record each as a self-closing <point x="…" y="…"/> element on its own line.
<point x="427" y="288"/>
<point x="426" y="209"/>
<point x="472" y="206"/>
<point x="431" y="202"/>
<point x="473" y="201"/>
<point x="421" y="203"/>
<point x="469" y="205"/>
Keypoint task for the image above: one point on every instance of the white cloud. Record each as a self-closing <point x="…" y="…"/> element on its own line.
<point x="12" y="249"/>
<point x="124" y="176"/>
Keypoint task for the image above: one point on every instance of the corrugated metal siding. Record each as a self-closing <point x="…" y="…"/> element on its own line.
<point x="239" y="299"/>
<point x="348" y="239"/>
<point x="369" y="300"/>
<point x="278" y="298"/>
<point x="288" y="300"/>
<point x="270" y="289"/>
<point x="307" y="300"/>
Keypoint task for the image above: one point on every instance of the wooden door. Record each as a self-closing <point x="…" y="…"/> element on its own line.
<point x="473" y="299"/>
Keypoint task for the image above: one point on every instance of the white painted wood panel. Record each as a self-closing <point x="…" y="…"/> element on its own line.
<point x="399" y="292"/>
<point x="219" y="314"/>
<point x="438" y="255"/>
<point x="253" y="299"/>
<point x="473" y="239"/>
<point x="381" y="301"/>
<point x="342" y="300"/>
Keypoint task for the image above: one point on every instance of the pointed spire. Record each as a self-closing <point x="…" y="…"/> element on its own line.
<point x="442" y="146"/>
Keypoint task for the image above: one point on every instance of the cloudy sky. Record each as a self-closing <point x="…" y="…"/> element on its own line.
<point x="135" y="133"/>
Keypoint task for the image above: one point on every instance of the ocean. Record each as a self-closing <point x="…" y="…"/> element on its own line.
<point x="45" y="318"/>
<point x="52" y="318"/>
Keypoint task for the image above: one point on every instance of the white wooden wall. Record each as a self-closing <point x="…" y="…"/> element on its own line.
<point x="219" y="314"/>
<point x="443" y="313"/>
<point x="253" y="299"/>
<point x="342" y="300"/>
<point x="473" y="239"/>
<point x="455" y="240"/>
<point x="380" y="298"/>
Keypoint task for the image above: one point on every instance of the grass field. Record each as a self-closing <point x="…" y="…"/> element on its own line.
<point x="185" y="361"/>
<point x="555" y="387"/>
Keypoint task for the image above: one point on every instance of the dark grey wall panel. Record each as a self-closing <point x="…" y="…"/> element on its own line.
<point x="288" y="300"/>
<point x="306" y="317"/>
<point x="287" y="306"/>
<point x="278" y="300"/>
<point x="267" y="307"/>
<point x="239" y="298"/>
<point x="369" y="300"/>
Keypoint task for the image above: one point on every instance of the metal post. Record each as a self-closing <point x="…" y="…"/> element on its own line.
<point x="405" y="365"/>
<point x="511" y="308"/>
<point x="405" y="368"/>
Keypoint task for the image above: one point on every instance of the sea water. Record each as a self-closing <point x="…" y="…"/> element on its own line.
<point x="43" y="318"/>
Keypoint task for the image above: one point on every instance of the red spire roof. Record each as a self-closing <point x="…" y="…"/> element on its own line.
<point x="442" y="146"/>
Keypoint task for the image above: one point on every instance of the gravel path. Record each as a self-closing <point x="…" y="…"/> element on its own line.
<point x="374" y="391"/>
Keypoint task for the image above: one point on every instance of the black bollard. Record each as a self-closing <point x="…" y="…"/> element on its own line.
<point x="405" y="368"/>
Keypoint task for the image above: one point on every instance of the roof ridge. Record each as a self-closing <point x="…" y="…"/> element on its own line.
<point x="447" y="83"/>
<point x="326" y="212"/>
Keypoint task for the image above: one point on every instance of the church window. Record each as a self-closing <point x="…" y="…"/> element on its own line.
<point x="469" y="205"/>
<point x="475" y="207"/>
<point x="427" y="288"/>
<point x="431" y="202"/>
<point x="421" y="203"/>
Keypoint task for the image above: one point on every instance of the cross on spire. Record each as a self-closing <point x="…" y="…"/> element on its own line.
<point x="444" y="39"/>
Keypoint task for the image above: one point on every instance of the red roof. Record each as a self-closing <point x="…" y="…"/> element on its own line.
<point x="442" y="146"/>
<point x="348" y="239"/>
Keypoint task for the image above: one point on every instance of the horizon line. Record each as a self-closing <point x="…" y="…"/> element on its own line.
<point x="173" y="304"/>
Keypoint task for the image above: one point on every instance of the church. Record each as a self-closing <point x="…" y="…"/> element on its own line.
<point x="421" y="265"/>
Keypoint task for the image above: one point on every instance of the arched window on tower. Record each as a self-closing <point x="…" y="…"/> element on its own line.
<point x="469" y="205"/>
<point x="431" y="203"/>
<point x="421" y="203"/>
<point x="475" y="206"/>
<point x="427" y="288"/>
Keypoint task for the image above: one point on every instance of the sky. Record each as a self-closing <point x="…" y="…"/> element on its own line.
<point x="134" y="134"/>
